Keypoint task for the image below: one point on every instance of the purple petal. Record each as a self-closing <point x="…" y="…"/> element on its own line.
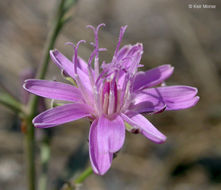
<point x="123" y="52"/>
<point x="146" y="128"/>
<point x="65" y="64"/>
<point x="173" y="97"/>
<point x="84" y="78"/>
<point x="82" y="65"/>
<point x="128" y="59"/>
<point x="100" y="157"/>
<point x="106" y="137"/>
<point x="135" y="49"/>
<point x="111" y="132"/>
<point x="132" y="59"/>
<point x="62" y="62"/>
<point x="179" y="105"/>
<point x="53" y="90"/>
<point x="142" y="104"/>
<point x="93" y="151"/>
<point x="61" y="115"/>
<point x="152" y="77"/>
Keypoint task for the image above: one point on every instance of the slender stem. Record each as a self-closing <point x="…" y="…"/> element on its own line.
<point x="79" y="180"/>
<point x="45" y="158"/>
<point x="33" y="104"/>
<point x="49" y="45"/>
<point x="51" y="40"/>
<point x="30" y="153"/>
<point x="83" y="176"/>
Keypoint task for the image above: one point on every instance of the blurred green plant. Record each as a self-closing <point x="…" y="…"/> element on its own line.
<point x="62" y="16"/>
<point x="9" y="101"/>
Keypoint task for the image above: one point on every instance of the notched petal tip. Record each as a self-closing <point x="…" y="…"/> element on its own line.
<point x="168" y="67"/>
<point x="36" y="124"/>
<point x="196" y="100"/>
<point x="26" y="83"/>
<point x="196" y="90"/>
<point x="53" y="53"/>
<point x="53" y="50"/>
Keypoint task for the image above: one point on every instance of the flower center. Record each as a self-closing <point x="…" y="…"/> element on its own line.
<point x="109" y="97"/>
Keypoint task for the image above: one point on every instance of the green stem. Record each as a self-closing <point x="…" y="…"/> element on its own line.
<point x="45" y="158"/>
<point x="51" y="40"/>
<point x="30" y="154"/>
<point x="79" y="180"/>
<point x="33" y="104"/>
<point x="49" y="45"/>
<point x="83" y="176"/>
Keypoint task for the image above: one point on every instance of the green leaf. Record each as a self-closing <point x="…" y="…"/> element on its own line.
<point x="10" y="102"/>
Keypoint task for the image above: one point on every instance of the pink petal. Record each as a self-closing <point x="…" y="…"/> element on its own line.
<point x="178" y="105"/>
<point x="111" y="132"/>
<point x="152" y="77"/>
<point x="53" y="90"/>
<point x="106" y="137"/>
<point x="62" y="62"/>
<point x="61" y="114"/>
<point x="142" y="104"/>
<point x="65" y="64"/>
<point x="82" y="65"/>
<point x="173" y="97"/>
<point x="123" y="52"/>
<point x="146" y="128"/>
<point x="100" y="157"/>
<point x="132" y="58"/>
<point x="84" y="78"/>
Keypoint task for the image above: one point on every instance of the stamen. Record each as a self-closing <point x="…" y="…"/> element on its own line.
<point x="96" y="45"/>
<point x="113" y="95"/>
<point x="122" y="31"/>
<point x="70" y="43"/>
<point x="127" y="97"/>
<point x="95" y="75"/>
<point x="105" y="96"/>
<point x="90" y="69"/>
<point x="98" y="81"/>
<point x="76" y="55"/>
<point x="76" y="77"/>
<point x="124" y="90"/>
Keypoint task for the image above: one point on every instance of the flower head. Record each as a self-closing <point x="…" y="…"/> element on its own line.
<point x="110" y="96"/>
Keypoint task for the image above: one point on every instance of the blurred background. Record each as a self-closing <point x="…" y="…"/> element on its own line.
<point x="172" y="33"/>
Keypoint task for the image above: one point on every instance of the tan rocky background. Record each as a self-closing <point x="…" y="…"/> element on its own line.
<point x="187" y="38"/>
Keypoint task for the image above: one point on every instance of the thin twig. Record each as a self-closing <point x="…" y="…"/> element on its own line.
<point x="33" y="104"/>
<point x="73" y="185"/>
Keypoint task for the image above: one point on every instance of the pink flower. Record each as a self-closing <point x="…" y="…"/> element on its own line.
<point x="110" y="97"/>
